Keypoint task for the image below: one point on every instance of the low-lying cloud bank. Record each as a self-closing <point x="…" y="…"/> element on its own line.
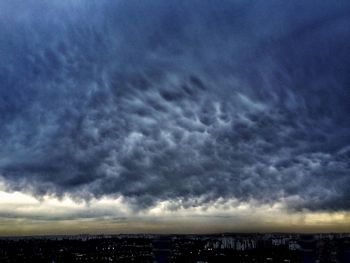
<point x="21" y="214"/>
<point x="156" y="101"/>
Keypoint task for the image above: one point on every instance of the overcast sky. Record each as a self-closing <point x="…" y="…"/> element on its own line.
<point x="140" y="116"/>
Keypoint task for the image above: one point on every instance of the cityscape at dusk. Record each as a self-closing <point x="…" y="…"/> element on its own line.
<point x="177" y="121"/>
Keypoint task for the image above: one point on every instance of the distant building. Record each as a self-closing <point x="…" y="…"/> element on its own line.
<point x="162" y="249"/>
<point x="308" y="248"/>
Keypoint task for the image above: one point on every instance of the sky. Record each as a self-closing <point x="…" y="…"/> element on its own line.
<point x="187" y="116"/>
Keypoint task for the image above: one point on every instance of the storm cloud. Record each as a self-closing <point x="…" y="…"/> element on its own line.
<point x="177" y="100"/>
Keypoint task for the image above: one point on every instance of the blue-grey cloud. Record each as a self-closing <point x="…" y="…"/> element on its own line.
<point x="158" y="100"/>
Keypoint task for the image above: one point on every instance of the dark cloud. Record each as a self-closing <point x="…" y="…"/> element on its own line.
<point x="158" y="100"/>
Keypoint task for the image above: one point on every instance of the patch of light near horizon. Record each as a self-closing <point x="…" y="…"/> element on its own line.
<point x="16" y="206"/>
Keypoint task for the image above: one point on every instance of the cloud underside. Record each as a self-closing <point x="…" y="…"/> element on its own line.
<point x="21" y="214"/>
<point x="154" y="101"/>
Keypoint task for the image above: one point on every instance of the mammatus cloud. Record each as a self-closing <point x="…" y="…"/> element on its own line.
<point x="159" y="101"/>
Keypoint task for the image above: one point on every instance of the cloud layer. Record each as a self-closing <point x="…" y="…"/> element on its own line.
<point x="21" y="214"/>
<point x="193" y="100"/>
